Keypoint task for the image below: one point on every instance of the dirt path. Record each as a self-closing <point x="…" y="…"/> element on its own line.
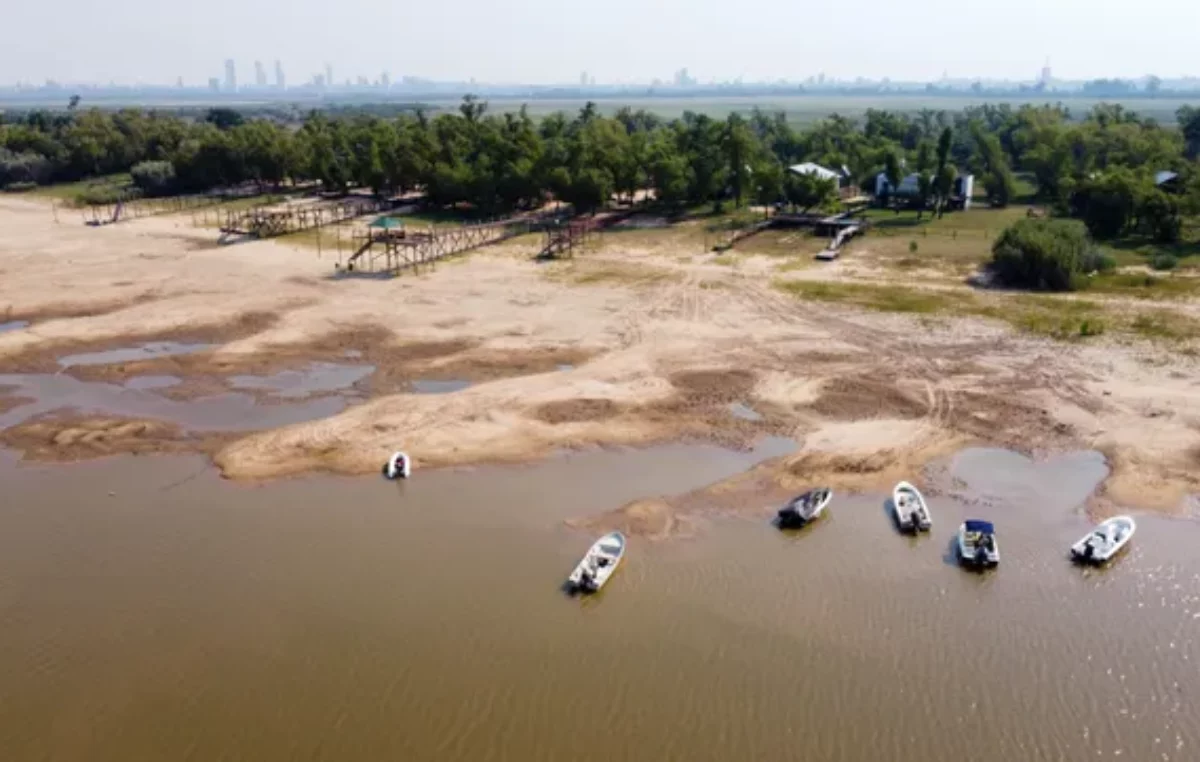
<point x="620" y="347"/>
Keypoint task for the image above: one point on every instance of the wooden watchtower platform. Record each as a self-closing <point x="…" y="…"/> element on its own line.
<point x="390" y="246"/>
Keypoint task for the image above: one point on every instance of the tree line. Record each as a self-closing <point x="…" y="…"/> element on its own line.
<point x="1104" y="169"/>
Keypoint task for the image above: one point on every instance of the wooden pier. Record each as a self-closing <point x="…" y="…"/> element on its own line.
<point x="266" y="222"/>
<point x="563" y="237"/>
<point x="137" y="207"/>
<point x="392" y="249"/>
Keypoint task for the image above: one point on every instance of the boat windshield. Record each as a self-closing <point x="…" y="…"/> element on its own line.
<point x="611" y="550"/>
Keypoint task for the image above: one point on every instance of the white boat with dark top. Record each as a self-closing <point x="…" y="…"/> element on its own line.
<point x="912" y="514"/>
<point x="598" y="565"/>
<point x="1105" y="541"/>
<point x="805" y="508"/>
<point x="977" y="544"/>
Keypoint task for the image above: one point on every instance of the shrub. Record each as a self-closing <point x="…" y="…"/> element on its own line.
<point x="1164" y="262"/>
<point x="1044" y="254"/>
<point x="912" y="247"/>
<point x="153" y="177"/>
<point x="23" y="168"/>
<point x="101" y="194"/>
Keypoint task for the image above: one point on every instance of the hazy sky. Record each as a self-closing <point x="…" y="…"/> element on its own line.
<point x="546" y="41"/>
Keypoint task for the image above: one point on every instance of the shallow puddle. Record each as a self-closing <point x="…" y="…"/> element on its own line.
<point x="147" y="383"/>
<point x="316" y="378"/>
<point x="146" y="351"/>
<point x="987" y="476"/>
<point x="224" y="412"/>
<point x="744" y="412"/>
<point x="13" y="325"/>
<point x="434" y="386"/>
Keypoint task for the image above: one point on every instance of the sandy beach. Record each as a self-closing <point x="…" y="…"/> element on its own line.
<point x="628" y="344"/>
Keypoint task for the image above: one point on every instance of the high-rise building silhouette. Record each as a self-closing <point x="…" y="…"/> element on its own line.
<point x="280" y="82"/>
<point x="583" y="79"/>
<point x="230" y="75"/>
<point x="329" y="75"/>
<point x="385" y="80"/>
<point x="260" y="74"/>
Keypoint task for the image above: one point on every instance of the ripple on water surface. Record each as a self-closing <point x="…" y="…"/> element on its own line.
<point x="388" y="639"/>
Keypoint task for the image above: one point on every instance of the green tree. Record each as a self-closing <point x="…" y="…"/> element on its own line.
<point x="924" y="192"/>
<point x="891" y="170"/>
<point x="224" y="118"/>
<point x="1159" y="217"/>
<point x="737" y="144"/>
<point x="1044" y="254"/>
<point x="1107" y="201"/>
<point x="807" y="190"/>
<point x="1189" y="126"/>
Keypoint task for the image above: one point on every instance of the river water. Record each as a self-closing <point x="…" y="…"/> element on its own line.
<point x="151" y="611"/>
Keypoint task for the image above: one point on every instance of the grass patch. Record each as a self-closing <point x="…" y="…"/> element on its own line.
<point x="70" y="192"/>
<point x="1165" y="325"/>
<point x="612" y="274"/>
<point x="881" y="298"/>
<point x="1058" y="317"/>
<point x="799" y="263"/>
<point x="729" y="260"/>
<point x="1144" y="285"/>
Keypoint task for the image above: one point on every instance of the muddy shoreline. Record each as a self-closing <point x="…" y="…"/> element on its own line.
<point x="256" y="357"/>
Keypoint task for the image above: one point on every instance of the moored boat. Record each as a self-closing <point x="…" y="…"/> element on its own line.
<point x="598" y="564"/>
<point x="1105" y="541"/>
<point x="977" y="545"/>
<point x="912" y="513"/>
<point x="805" y="508"/>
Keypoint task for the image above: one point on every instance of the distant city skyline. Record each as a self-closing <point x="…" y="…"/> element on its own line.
<point x="681" y="78"/>
<point x="539" y="42"/>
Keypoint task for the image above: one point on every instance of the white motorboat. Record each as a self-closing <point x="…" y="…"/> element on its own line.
<point x="805" y="508"/>
<point x="399" y="466"/>
<point x="912" y="514"/>
<point x="598" y="564"/>
<point x="1105" y="541"/>
<point x="977" y="544"/>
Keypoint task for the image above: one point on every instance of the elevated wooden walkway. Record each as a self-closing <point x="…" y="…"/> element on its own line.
<point x="394" y="250"/>
<point x="137" y="207"/>
<point x="265" y="222"/>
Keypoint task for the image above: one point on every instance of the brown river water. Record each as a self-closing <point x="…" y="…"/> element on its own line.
<point x="151" y="611"/>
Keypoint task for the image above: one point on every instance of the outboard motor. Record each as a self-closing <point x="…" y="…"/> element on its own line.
<point x="916" y="521"/>
<point x="981" y="555"/>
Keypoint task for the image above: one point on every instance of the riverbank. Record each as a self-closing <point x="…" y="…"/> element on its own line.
<point x="278" y="367"/>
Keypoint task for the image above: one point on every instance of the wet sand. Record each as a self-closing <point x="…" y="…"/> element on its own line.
<point x="151" y="610"/>
<point x="259" y="356"/>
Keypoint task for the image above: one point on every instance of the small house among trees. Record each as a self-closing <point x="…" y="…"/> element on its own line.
<point x="909" y="189"/>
